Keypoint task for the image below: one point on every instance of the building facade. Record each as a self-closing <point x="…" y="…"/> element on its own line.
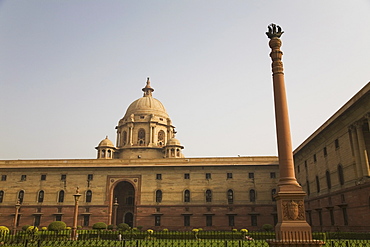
<point x="332" y="165"/>
<point x="143" y="180"/>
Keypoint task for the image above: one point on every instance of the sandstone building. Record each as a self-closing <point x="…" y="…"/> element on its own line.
<point x="332" y="165"/>
<point x="145" y="180"/>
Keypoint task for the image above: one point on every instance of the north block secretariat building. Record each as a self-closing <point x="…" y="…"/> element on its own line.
<point x="145" y="180"/>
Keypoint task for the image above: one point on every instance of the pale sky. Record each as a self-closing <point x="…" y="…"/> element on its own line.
<point x="70" y="69"/>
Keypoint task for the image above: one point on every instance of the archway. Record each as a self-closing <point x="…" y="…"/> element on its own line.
<point x="125" y="194"/>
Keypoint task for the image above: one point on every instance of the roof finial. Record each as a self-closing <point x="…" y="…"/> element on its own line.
<point x="147" y="89"/>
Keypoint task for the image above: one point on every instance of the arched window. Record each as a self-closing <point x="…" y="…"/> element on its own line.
<point x="1" y="196"/>
<point x="109" y="153"/>
<point x="61" y="196"/>
<point x="273" y="193"/>
<point x="21" y="196"/>
<point x="340" y="174"/>
<point x="141" y="137"/>
<point x="186" y="196"/>
<point x="252" y="195"/>
<point x="103" y="153"/>
<point x="308" y="187"/>
<point x="88" y="196"/>
<point x="124" y="138"/>
<point x="158" y="196"/>
<point x="317" y="184"/>
<point x="40" y="196"/>
<point x="208" y="195"/>
<point x="161" y="138"/>
<point x="328" y="179"/>
<point x="230" y="196"/>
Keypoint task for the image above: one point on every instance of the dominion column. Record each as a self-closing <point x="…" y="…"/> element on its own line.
<point x="292" y="227"/>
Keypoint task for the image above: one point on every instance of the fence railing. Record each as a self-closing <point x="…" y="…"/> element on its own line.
<point x="87" y="238"/>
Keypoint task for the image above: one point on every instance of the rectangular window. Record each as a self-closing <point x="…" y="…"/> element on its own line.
<point x="314" y="158"/>
<point x="58" y="217"/>
<point x="86" y="220"/>
<point x="43" y="177"/>
<point x="320" y="217"/>
<point x="229" y="175"/>
<point x="309" y="217"/>
<point x="345" y="216"/>
<point x="37" y="220"/>
<point x="272" y="174"/>
<point x="23" y="177"/>
<point x="208" y="176"/>
<point x="90" y="177"/>
<point x="254" y="220"/>
<point x="251" y="175"/>
<point x="208" y="220"/>
<point x="325" y="151"/>
<point x="63" y="177"/>
<point x="186" y="176"/>
<point x="157" y="220"/>
<point x="186" y="220"/>
<point x="331" y="212"/>
<point x="158" y="177"/>
<point x="299" y="169"/>
<point x="3" y="177"/>
<point x="231" y="220"/>
<point x="336" y="143"/>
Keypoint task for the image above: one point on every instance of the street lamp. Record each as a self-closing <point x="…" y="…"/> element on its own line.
<point x="17" y="207"/>
<point x="115" y="207"/>
<point x="75" y="215"/>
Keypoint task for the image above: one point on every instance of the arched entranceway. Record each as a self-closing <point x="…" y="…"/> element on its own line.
<point x="125" y="194"/>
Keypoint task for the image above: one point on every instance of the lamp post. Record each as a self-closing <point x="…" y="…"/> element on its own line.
<point x="17" y="207"/>
<point x="75" y="215"/>
<point x="115" y="207"/>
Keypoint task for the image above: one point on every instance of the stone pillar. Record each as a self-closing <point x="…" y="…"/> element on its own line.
<point x="362" y="148"/>
<point x="130" y="127"/>
<point x="292" y="227"/>
<point x="352" y="128"/>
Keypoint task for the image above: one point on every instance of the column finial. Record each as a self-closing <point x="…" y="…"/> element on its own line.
<point x="274" y="31"/>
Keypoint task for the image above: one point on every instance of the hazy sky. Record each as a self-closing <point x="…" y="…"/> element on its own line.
<point x="70" y="69"/>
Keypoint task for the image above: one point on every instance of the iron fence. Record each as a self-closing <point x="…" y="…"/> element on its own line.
<point x="89" y="238"/>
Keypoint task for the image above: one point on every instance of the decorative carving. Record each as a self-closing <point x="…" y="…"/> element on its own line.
<point x="112" y="180"/>
<point x="293" y="210"/>
<point x="274" y="31"/>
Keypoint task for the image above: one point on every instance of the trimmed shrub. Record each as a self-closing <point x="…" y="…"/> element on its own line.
<point x="24" y="228"/>
<point x="267" y="227"/>
<point x="111" y="227"/>
<point x="99" y="226"/>
<point x="57" y="226"/>
<point x="123" y="227"/>
<point x="4" y="231"/>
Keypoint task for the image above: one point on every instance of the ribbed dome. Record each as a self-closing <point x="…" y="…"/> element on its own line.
<point x="106" y="143"/>
<point x="174" y="141"/>
<point x="147" y="104"/>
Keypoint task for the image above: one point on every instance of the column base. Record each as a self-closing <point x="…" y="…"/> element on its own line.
<point x="294" y="243"/>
